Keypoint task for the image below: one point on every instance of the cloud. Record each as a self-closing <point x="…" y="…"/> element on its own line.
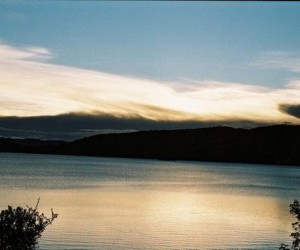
<point x="293" y="110"/>
<point x="289" y="61"/>
<point x="9" y="53"/>
<point x="32" y="87"/>
<point x="73" y="126"/>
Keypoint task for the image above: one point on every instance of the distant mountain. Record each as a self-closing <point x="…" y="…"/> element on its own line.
<point x="278" y="144"/>
<point x="26" y="145"/>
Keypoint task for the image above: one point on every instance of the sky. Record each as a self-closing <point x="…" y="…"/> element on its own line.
<point x="70" y="69"/>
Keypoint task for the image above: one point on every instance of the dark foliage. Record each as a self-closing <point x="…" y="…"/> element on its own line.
<point x="295" y="211"/>
<point x="20" y="228"/>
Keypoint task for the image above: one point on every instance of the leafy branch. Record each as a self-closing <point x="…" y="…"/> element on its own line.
<point x="295" y="211"/>
<point x="20" y="228"/>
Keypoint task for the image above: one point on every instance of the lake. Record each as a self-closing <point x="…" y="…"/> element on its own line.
<point x="110" y="203"/>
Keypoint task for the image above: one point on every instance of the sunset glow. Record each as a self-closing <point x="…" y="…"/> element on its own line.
<point x="36" y="88"/>
<point x="142" y="68"/>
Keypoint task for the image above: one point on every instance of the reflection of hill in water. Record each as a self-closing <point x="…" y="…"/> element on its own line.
<point x="268" y="145"/>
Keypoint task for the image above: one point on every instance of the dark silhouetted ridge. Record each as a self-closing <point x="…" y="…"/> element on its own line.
<point x="267" y="145"/>
<point x="27" y="145"/>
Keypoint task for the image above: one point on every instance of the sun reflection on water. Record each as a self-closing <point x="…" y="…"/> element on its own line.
<point x="152" y="219"/>
<point x="153" y="205"/>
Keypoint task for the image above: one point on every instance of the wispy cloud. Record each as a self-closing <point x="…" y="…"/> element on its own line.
<point x="11" y="54"/>
<point x="280" y="60"/>
<point x="32" y="87"/>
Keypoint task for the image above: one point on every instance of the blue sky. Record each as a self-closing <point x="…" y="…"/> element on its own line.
<point x="163" y="61"/>
<point x="160" y="40"/>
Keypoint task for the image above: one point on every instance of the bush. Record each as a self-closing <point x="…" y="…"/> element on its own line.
<point x="295" y="211"/>
<point x="20" y="228"/>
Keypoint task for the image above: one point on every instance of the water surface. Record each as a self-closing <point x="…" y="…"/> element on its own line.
<point x="109" y="203"/>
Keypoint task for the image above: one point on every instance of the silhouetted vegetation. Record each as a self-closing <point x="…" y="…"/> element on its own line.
<point x="20" y="228"/>
<point x="266" y="145"/>
<point x="295" y="211"/>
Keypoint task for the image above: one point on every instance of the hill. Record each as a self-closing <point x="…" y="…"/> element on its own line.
<point x="266" y="145"/>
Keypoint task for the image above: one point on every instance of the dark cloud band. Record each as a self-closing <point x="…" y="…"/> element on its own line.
<point x="293" y="110"/>
<point x="77" y="125"/>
